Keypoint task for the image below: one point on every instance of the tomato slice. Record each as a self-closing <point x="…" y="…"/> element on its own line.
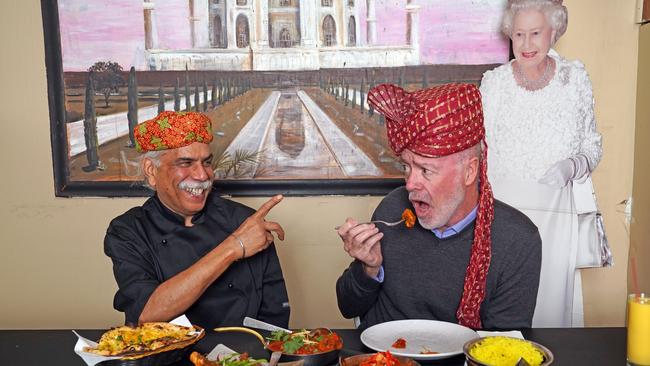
<point x="399" y="343"/>
<point x="380" y="359"/>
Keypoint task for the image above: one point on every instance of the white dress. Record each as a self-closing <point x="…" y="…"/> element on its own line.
<point x="526" y="133"/>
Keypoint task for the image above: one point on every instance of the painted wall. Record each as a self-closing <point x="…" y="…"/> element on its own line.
<point x="53" y="273"/>
<point x="602" y="34"/>
<point x="640" y="227"/>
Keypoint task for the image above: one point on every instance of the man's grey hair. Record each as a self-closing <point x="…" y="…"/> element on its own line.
<point x="471" y="152"/>
<point x="556" y="14"/>
<point x="154" y="156"/>
<point x="463" y="157"/>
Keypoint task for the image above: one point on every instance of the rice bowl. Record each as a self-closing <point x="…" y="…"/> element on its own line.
<point x="505" y="351"/>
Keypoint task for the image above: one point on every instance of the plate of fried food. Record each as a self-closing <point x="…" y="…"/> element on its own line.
<point x="418" y="339"/>
<point x="156" y="343"/>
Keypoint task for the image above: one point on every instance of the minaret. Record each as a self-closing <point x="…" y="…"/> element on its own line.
<point x="412" y="24"/>
<point x="150" y="33"/>
<point x="371" y="19"/>
<point x="190" y="3"/>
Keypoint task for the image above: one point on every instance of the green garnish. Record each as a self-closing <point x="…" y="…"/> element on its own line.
<point x="279" y="335"/>
<point x="291" y="342"/>
<point x="292" y="345"/>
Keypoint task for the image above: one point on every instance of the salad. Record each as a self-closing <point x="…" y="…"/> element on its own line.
<point x="304" y="342"/>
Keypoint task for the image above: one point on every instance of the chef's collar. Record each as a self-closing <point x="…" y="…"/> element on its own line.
<point x="175" y="217"/>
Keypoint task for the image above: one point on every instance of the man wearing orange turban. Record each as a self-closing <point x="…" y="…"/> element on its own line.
<point x="187" y="250"/>
<point x="471" y="260"/>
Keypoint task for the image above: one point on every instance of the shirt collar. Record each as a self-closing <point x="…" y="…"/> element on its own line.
<point x="173" y="216"/>
<point x="457" y="227"/>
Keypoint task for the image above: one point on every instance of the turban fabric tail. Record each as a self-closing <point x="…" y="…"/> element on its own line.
<point x="440" y="121"/>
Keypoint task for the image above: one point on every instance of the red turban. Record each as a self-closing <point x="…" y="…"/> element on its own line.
<point x="171" y="130"/>
<point x="440" y="121"/>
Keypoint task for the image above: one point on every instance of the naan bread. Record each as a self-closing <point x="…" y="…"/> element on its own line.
<point x="145" y="338"/>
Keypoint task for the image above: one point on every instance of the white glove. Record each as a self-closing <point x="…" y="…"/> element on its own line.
<point x="560" y="173"/>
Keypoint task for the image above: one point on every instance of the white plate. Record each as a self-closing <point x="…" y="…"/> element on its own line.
<point x="420" y="335"/>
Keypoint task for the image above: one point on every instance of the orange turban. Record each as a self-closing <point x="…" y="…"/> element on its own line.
<point x="171" y="130"/>
<point x="440" y="121"/>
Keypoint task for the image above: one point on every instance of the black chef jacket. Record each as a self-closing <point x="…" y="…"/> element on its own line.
<point x="150" y="244"/>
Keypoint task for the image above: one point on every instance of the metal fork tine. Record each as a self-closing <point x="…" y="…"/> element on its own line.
<point x="387" y="223"/>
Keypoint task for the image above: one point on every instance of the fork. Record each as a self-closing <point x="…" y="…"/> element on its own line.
<point x="377" y="222"/>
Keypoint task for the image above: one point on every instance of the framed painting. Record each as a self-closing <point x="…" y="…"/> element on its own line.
<point x="283" y="81"/>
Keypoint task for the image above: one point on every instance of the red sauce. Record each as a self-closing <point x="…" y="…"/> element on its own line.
<point x="380" y="359"/>
<point x="275" y="346"/>
<point x="399" y="343"/>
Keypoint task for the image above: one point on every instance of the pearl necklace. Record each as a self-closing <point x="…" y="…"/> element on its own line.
<point x="535" y="84"/>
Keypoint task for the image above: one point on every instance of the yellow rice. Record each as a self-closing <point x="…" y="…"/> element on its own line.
<point x="505" y="351"/>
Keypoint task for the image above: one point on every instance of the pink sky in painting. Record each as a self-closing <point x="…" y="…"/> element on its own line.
<point x="451" y="31"/>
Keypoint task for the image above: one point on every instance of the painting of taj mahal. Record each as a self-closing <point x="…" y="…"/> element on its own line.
<point x="283" y="81"/>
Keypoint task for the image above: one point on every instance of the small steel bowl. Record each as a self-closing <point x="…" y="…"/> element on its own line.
<point x="356" y="360"/>
<point x="471" y="361"/>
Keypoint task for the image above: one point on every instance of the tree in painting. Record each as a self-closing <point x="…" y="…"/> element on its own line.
<point x="90" y="129"/>
<point x="132" y="103"/>
<point x="107" y="78"/>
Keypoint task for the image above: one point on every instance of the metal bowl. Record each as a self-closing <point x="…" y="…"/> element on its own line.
<point x="356" y="360"/>
<point x="471" y="361"/>
<point x="312" y="359"/>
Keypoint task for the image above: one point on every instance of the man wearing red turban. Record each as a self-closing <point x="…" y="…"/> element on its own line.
<point x="471" y="260"/>
<point x="187" y="250"/>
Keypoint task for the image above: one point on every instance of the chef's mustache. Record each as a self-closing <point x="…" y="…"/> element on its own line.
<point x="192" y="184"/>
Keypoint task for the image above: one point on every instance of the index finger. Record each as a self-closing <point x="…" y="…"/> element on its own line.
<point x="268" y="205"/>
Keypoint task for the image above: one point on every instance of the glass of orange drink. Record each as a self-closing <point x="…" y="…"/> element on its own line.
<point x="638" y="329"/>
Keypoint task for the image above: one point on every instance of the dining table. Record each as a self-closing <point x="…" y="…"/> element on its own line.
<point x="571" y="346"/>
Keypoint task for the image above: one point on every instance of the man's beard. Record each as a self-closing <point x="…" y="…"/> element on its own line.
<point x="442" y="212"/>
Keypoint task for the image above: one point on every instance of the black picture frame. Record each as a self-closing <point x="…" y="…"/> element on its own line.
<point x="66" y="187"/>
